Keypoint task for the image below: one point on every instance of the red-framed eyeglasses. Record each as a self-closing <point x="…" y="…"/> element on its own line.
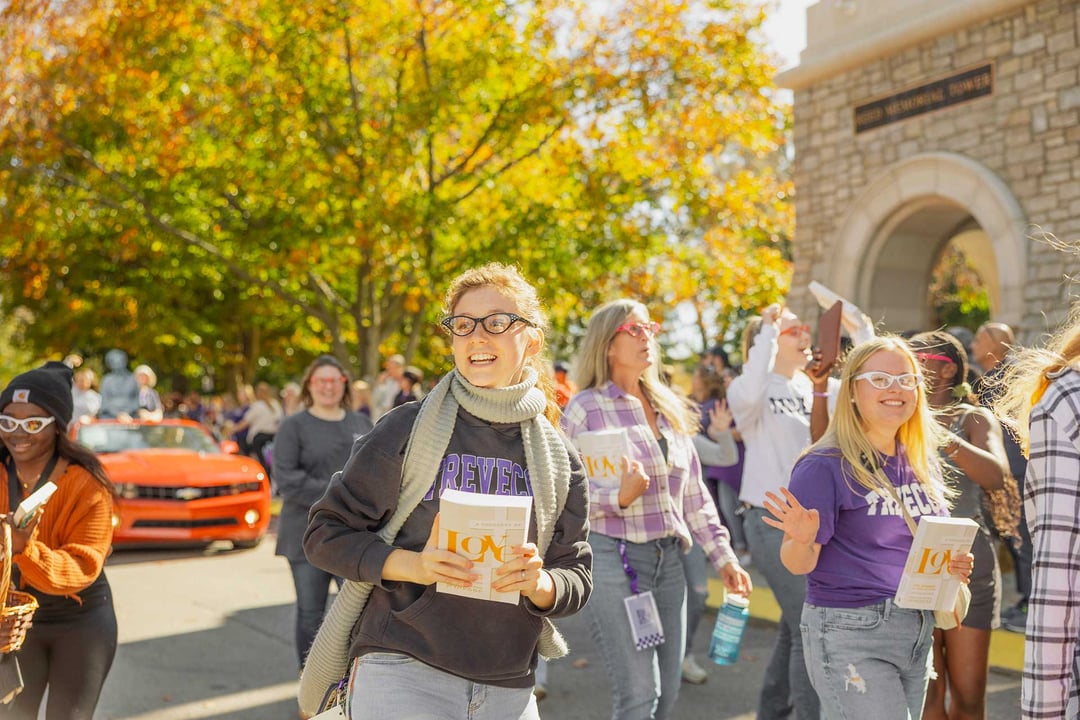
<point x="796" y="330"/>
<point x="329" y="382"/>
<point x="637" y="329"/>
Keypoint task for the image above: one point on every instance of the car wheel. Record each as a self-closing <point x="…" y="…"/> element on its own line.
<point x="246" y="544"/>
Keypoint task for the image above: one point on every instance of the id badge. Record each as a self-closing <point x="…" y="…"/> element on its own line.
<point x="644" y="620"/>
<point x="335" y="713"/>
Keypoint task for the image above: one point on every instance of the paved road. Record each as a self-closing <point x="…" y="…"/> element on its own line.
<point x="208" y="634"/>
<point x="203" y="634"/>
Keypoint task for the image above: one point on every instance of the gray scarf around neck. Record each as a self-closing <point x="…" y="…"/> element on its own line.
<point x="549" y="472"/>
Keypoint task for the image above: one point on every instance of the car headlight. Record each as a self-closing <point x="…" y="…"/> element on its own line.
<point x="251" y="517"/>
<point x="127" y="491"/>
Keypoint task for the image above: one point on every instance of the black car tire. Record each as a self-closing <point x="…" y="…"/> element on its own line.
<point x="246" y="544"/>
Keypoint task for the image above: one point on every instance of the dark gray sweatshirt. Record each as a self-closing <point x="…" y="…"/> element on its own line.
<point x="307" y="453"/>
<point x="483" y="641"/>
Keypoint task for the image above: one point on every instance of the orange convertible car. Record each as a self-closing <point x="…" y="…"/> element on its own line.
<point x="177" y="484"/>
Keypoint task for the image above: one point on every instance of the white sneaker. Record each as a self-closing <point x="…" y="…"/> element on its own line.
<point x="692" y="672"/>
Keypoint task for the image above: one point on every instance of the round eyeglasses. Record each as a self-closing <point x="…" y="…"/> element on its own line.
<point x="884" y="380"/>
<point x="32" y="425"/>
<point x="494" y="324"/>
<point x="637" y="329"/>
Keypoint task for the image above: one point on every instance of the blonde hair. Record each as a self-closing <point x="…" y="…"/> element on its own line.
<point x="509" y="281"/>
<point x="1028" y="373"/>
<point x="753" y="325"/>
<point x="921" y="435"/>
<point x="593" y="369"/>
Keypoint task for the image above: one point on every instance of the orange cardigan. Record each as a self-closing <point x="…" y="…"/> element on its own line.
<point x="68" y="548"/>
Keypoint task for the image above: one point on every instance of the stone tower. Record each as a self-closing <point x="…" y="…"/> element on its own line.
<point x="920" y="123"/>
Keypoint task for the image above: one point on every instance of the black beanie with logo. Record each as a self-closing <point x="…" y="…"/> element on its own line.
<point x="48" y="387"/>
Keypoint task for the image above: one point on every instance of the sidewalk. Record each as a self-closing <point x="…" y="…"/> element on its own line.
<point x="1006" y="648"/>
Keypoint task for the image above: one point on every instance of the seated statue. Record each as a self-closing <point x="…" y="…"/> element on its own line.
<point x="119" y="389"/>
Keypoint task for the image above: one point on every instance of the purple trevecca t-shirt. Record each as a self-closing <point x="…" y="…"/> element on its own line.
<point x="864" y="537"/>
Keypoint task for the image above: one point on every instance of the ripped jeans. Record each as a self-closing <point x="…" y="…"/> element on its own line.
<point x="868" y="662"/>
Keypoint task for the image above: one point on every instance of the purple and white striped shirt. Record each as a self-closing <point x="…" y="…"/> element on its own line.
<point x="676" y="503"/>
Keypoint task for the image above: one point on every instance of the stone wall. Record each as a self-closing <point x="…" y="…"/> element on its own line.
<point x="1027" y="133"/>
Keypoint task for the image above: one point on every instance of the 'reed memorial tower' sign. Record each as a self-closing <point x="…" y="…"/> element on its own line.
<point x="934" y="95"/>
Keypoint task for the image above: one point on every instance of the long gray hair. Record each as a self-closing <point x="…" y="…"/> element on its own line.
<point x="593" y="369"/>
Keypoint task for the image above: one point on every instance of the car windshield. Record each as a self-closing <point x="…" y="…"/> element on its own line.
<point x="118" y="438"/>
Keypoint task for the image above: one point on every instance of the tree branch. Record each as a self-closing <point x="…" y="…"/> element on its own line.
<point x="354" y="92"/>
<point x="191" y="240"/>
<point x="457" y="167"/>
<point x="510" y="163"/>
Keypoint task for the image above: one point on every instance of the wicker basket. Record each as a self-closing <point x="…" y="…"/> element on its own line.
<point x="19" y="607"/>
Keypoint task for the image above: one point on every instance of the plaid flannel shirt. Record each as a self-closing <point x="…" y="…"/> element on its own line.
<point x="676" y="503"/>
<point x="1052" y="499"/>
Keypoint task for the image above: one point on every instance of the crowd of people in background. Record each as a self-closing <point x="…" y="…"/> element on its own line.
<point x="754" y="464"/>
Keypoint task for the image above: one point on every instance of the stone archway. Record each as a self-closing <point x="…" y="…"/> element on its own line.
<point x="887" y="245"/>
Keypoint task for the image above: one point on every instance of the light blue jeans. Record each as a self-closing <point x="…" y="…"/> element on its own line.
<point x="695" y="568"/>
<point x="391" y="686"/>
<point x="645" y="682"/>
<point x="869" y="662"/>
<point x="786" y="687"/>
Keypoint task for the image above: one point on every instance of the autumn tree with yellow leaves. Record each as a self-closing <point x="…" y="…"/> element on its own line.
<point x="208" y="184"/>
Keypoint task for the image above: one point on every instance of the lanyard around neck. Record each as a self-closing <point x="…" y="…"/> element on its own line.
<point x="627" y="568"/>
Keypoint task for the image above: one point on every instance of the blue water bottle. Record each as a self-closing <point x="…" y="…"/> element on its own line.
<point x="728" y="631"/>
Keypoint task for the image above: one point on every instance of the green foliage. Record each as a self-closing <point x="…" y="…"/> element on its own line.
<point x="231" y="188"/>
<point x="14" y="358"/>
<point x="957" y="294"/>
